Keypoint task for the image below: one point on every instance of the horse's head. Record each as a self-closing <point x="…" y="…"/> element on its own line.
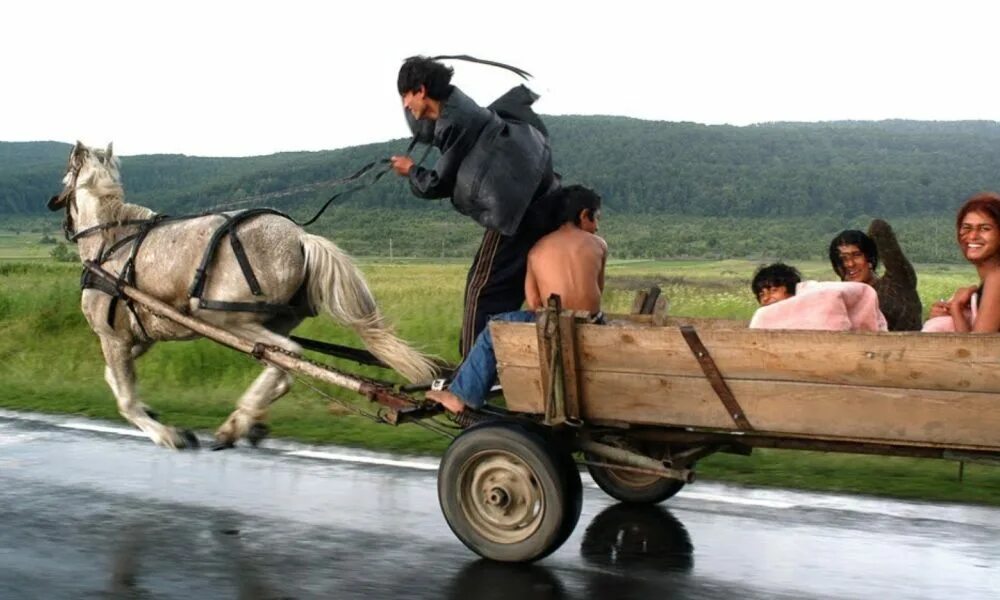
<point x="92" y="171"/>
<point x="87" y="167"/>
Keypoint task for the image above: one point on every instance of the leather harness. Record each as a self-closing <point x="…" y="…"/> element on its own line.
<point x="197" y="289"/>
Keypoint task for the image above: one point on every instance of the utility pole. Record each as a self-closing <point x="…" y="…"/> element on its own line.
<point x="390" y="247"/>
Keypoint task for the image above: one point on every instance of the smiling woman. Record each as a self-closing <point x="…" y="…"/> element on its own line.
<point x="978" y="233"/>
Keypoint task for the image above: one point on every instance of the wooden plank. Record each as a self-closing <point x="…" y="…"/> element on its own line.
<point x="571" y="374"/>
<point x="649" y="304"/>
<point x="543" y="354"/>
<point x="638" y="301"/>
<point x="883" y="415"/>
<point x="968" y="362"/>
<point x="936" y="417"/>
<point x="522" y="389"/>
<point x="660" y="310"/>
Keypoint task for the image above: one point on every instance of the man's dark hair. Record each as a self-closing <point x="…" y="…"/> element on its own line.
<point x="573" y="199"/>
<point x="421" y="71"/>
<point x="852" y="237"/>
<point x="775" y="275"/>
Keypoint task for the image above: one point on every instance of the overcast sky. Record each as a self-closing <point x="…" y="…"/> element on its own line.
<point x="214" y="78"/>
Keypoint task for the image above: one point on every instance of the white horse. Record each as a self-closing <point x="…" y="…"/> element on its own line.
<point x="293" y="268"/>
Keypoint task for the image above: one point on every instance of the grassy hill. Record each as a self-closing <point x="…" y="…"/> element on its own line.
<point x="670" y="189"/>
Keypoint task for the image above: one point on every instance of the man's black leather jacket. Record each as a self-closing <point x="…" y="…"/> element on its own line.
<point x="494" y="161"/>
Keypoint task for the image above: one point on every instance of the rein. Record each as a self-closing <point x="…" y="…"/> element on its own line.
<point x="361" y="172"/>
<point x="74" y="236"/>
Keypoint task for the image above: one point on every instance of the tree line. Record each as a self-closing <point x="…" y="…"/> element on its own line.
<point x="674" y="189"/>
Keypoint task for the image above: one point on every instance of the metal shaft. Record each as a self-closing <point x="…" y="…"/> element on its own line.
<point x="633" y="459"/>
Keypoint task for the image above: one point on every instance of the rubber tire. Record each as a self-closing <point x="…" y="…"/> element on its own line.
<point x="655" y="492"/>
<point x="572" y="494"/>
<point x="552" y="470"/>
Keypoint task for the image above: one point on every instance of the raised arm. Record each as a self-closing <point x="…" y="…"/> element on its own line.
<point x="896" y="264"/>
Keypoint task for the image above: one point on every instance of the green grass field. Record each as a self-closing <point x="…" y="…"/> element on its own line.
<point x="51" y="362"/>
<point x="27" y="246"/>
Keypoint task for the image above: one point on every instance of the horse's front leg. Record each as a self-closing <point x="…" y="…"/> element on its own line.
<point x="252" y="408"/>
<point x="120" y="375"/>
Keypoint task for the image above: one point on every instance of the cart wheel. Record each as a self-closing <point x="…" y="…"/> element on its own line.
<point x="632" y="487"/>
<point x="508" y="494"/>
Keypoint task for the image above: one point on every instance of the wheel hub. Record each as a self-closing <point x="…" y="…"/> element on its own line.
<point x="498" y="497"/>
<point x="501" y="497"/>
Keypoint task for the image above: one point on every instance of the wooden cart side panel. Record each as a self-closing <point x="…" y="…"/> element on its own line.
<point x="522" y="389"/>
<point x="967" y="419"/>
<point x="895" y="360"/>
<point x="934" y="417"/>
<point x="937" y="389"/>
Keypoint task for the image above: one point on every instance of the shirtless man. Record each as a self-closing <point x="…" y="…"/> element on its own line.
<point x="568" y="262"/>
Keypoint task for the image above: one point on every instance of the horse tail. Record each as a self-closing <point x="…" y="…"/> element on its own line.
<point x="338" y="286"/>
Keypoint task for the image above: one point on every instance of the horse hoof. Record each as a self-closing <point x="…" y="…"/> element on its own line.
<point x="221" y="445"/>
<point x="257" y="432"/>
<point x="190" y="439"/>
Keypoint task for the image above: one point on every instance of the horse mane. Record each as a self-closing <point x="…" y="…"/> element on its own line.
<point x="123" y="211"/>
<point x="105" y="183"/>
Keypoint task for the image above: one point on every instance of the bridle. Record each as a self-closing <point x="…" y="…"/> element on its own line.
<point x="67" y="199"/>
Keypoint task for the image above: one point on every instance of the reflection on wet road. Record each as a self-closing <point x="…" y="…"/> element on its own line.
<point x="92" y="515"/>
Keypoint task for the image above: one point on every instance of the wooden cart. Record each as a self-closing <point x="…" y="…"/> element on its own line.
<point x="643" y="398"/>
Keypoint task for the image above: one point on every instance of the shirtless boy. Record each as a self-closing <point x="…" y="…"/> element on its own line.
<point x="568" y="262"/>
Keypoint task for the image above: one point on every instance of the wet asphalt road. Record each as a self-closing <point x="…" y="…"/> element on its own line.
<point x="86" y="514"/>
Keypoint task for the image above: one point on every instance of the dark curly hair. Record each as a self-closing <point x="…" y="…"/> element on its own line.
<point x="852" y="237"/>
<point x="573" y="199"/>
<point x="775" y="275"/>
<point x="421" y="71"/>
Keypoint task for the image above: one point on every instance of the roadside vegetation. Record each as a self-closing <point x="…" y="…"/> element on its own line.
<point x="50" y="361"/>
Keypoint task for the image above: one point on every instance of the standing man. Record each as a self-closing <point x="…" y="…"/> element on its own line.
<point x="496" y="166"/>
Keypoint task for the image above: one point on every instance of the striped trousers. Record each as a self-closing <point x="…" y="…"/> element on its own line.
<point x="495" y="283"/>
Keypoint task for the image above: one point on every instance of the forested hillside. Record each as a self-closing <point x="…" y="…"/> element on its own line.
<point x="778" y="185"/>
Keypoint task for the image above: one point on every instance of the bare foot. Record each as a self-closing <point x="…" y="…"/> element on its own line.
<point x="446" y="399"/>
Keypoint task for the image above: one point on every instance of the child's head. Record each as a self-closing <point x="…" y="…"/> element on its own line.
<point x="774" y="282"/>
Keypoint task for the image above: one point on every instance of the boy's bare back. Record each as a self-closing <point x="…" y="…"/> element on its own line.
<point x="569" y="262"/>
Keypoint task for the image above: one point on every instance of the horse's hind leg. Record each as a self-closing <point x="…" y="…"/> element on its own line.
<point x="252" y="407"/>
<point x="120" y="375"/>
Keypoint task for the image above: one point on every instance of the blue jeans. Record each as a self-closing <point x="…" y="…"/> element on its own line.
<point x="475" y="377"/>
